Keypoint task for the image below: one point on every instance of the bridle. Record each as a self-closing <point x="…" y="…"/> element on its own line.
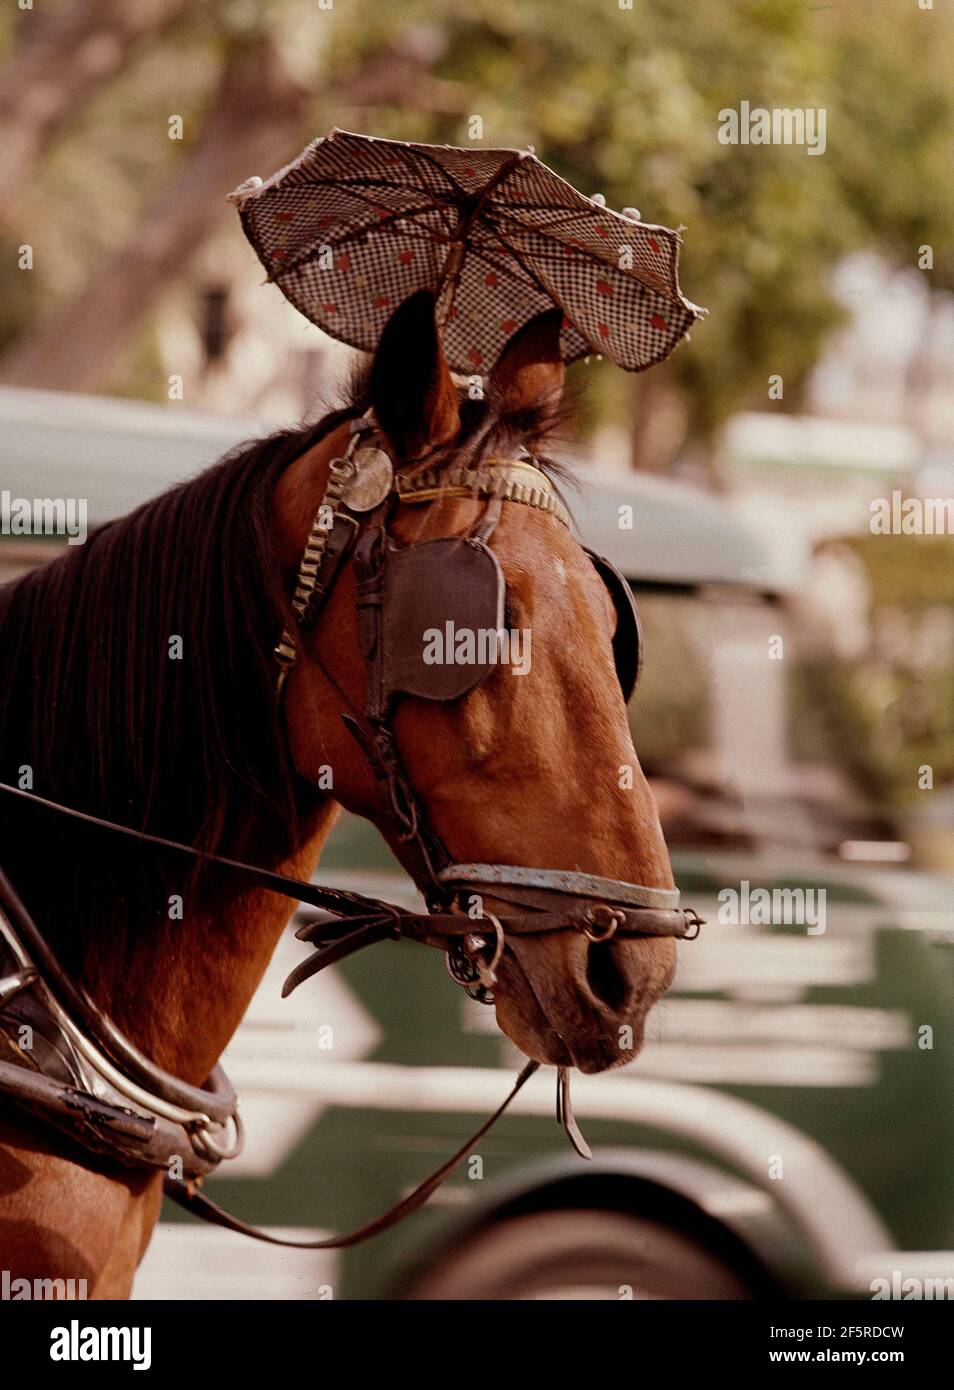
<point x="91" y="1081"/>
<point x="403" y="592"/>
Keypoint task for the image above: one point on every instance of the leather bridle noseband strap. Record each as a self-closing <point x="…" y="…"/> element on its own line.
<point x="91" y="1080"/>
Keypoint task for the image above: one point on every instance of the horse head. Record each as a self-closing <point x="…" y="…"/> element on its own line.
<point x="532" y="765"/>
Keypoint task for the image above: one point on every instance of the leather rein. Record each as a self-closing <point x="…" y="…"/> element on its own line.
<point x="114" y="1100"/>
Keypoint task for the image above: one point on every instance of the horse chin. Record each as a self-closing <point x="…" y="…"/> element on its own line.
<point x="538" y="1039"/>
<point x="554" y="1015"/>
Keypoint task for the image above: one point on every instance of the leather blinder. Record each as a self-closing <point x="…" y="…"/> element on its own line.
<point x="442" y="613"/>
<point x="628" y="637"/>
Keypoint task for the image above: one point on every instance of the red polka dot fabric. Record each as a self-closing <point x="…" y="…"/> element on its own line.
<point x="356" y="224"/>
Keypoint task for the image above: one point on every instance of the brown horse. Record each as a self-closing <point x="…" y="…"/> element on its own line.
<point x="139" y="685"/>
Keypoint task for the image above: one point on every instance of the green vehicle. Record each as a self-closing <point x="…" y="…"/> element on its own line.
<point x="787" y="1130"/>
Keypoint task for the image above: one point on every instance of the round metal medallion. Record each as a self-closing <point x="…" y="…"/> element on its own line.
<point x="371" y="482"/>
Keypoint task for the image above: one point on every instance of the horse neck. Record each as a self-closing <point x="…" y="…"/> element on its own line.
<point x="177" y="984"/>
<point x="182" y="988"/>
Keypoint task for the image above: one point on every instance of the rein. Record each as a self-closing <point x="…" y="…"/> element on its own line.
<point x="94" y="1083"/>
<point x="168" y="1129"/>
<point x="158" y="1137"/>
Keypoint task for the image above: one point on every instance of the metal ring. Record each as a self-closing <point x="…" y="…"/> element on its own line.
<point x="204" y="1143"/>
<point x="488" y="973"/>
<point x="466" y="967"/>
<point x="462" y="969"/>
<point x="694" y="920"/>
<point x="342" y="468"/>
<point x="480" y="994"/>
<point x="611" y="921"/>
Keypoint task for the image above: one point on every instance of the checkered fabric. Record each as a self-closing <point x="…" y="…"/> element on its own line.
<point x="356" y="224"/>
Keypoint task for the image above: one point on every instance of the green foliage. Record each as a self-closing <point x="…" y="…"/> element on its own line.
<point x="878" y="723"/>
<point x="623" y="102"/>
<point x="626" y="103"/>
<point x="911" y="571"/>
<point x="891" y="710"/>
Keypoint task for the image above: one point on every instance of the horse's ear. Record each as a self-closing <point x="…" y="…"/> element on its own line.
<point x="529" y="373"/>
<point x="414" y="397"/>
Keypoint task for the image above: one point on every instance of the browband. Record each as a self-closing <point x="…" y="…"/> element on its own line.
<point x="512" y="480"/>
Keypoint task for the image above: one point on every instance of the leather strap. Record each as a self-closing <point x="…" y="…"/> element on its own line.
<point x="565" y="1116"/>
<point x="644" y="921"/>
<point x="440" y="929"/>
<point x="609" y="890"/>
<point x="332" y="899"/>
<point x="511" y="480"/>
<point x="188" y="1195"/>
<point x="218" y="1102"/>
<point x="366" y="921"/>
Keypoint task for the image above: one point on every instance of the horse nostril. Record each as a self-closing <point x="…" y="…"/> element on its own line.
<point x="604" y="976"/>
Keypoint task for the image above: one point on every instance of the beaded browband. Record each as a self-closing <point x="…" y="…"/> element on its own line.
<point x="363" y="477"/>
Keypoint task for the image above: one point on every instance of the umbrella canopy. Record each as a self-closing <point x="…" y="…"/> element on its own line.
<point x="355" y="225"/>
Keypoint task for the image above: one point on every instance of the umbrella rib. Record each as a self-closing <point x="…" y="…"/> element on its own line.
<point x="551" y="295"/>
<point x="433" y="206"/>
<point x="502" y="266"/>
<point x="354" y="185"/>
<point x="442" y="198"/>
<point x="512" y="250"/>
<point x="442" y="169"/>
<point x="671" y="282"/>
<point x="507" y="166"/>
<point x="544" y="230"/>
<point x="350" y="234"/>
<point x="453" y="266"/>
<point x="440" y="204"/>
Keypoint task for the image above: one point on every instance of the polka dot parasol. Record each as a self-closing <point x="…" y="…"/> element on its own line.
<point x="356" y="224"/>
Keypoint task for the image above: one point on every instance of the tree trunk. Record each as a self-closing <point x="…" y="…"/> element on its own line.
<point x="257" y="117"/>
<point x="657" y="421"/>
<point x="62" y="60"/>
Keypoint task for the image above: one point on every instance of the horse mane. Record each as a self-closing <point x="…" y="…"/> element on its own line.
<point x="139" y="685"/>
<point x="95" y="701"/>
<point x="139" y="682"/>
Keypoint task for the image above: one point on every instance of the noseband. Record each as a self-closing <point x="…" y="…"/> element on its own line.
<point x="85" y="1077"/>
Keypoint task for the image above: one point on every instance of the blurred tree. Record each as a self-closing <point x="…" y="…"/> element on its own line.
<point x="255" y="117"/>
<point x="624" y="102"/>
<point x="59" y="62"/>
